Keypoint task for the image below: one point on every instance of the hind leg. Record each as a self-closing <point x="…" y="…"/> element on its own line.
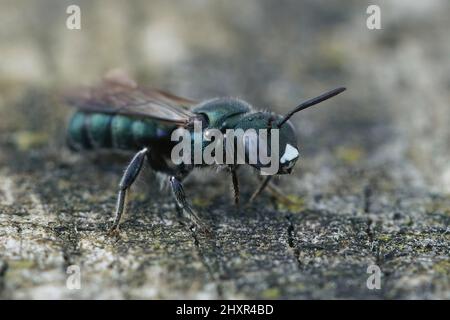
<point x="131" y="172"/>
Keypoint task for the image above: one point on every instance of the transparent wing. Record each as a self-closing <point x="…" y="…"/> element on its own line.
<point x="124" y="96"/>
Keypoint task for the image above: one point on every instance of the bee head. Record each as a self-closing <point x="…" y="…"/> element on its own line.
<point x="280" y="143"/>
<point x="288" y="147"/>
<point x="284" y="153"/>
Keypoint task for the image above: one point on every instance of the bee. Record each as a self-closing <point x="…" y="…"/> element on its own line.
<point x="120" y="114"/>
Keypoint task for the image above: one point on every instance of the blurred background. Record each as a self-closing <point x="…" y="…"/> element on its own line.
<point x="395" y="114"/>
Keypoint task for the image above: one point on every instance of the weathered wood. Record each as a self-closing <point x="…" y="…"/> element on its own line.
<point x="55" y="210"/>
<point x="371" y="187"/>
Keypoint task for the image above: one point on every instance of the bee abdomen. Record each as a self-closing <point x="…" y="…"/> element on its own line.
<point x="100" y="131"/>
<point x="77" y="134"/>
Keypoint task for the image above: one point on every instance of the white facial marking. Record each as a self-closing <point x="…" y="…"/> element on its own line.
<point x="289" y="154"/>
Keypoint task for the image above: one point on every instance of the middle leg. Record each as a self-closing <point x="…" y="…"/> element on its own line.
<point x="234" y="179"/>
<point x="180" y="198"/>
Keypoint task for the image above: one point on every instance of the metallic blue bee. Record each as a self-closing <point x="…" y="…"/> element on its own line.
<point x="119" y="114"/>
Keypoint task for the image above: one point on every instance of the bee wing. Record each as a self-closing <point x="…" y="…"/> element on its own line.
<point x="126" y="97"/>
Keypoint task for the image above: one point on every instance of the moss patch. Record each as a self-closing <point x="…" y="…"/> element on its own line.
<point x="292" y="203"/>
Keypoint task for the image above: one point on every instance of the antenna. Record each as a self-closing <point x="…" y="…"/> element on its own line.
<point x="311" y="102"/>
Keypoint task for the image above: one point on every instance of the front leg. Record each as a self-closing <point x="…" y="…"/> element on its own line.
<point x="260" y="189"/>
<point x="129" y="176"/>
<point x="266" y="183"/>
<point x="180" y="198"/>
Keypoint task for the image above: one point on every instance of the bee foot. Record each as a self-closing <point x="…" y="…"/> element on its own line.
<point x="203" y="229"/>
<point x="114" y="232"/>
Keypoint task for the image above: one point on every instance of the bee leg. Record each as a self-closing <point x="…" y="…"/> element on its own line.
<point x="275" y="193"/>
<point x="260" y="189"/>
<point x="278" y="195"/>
<point x="129" y="176"/>
<point x="179" y="211"/>
<point x="180" y="198"/>
<point x="234" y="179"/>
